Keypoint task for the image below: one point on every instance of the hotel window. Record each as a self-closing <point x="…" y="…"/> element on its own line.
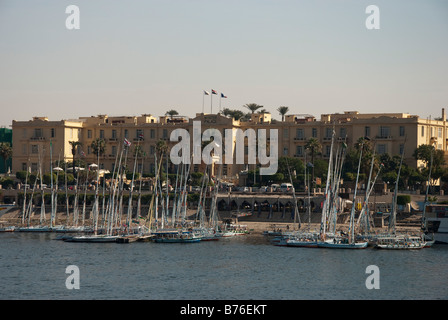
<point x="24" y="166"/>
<point x="152" y="150"/>
<point x="139" y="134"/>
<point x="34" y="148"/>
<point x="299" y="151"/>
<point x="33" y="167"/>
<point x="381" y="149"/>
<point x="285" y="133"/>
<point x="165" y="134"/>
<point x="401" y="131"/>
<point x="285" y="151"/>
<point x="114" y="150"/>
<point x="342" y="132"/>
<point x="37" y="133"/>
<point x="299" y="134"/>
<point x="89" y="134"/>
<point x="328" y="133"/>
<point x="367" y="131"/>
<point x="423" y="131"/>
<point x="101" y="134"/>
<point x="126" y="135"/>
<point x="439" y="132"/>
<point x="314" y="132"/>
<point x="384" y="132"/>
<point x="152" y="134"/>
<point x="52" y="132"/>
<point x="114" y="134"/>
<point x="401" y="148"/>
<point x="327" y="150"/>
<point x="24" y="148"/>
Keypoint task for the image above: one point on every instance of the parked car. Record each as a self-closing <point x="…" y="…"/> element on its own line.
<point x="286" y="187"/>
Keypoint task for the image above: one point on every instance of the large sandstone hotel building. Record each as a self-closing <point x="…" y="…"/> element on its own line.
<point x="391" y="133"/>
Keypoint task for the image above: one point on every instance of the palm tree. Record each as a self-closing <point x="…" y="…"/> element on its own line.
<point x="161" y="147"/>
<point x="75" y="145"/>
<point x="5" y="152"/>
<point x="171" y="113"/>
<point x="313" y="146"/>
<point x="283" y="110"/>
<point x="253" y="107"/>
<point x="138" y="151"/>
<point x="98" y="146"/>
<point x="235" y="114"/>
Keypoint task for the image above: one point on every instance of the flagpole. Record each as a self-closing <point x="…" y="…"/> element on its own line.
<point x="211" y="101"/>
<point x="203" y="99"/>
<point x="220" y="102"/>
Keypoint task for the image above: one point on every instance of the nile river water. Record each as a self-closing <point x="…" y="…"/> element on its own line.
<point x="33" y="266"/>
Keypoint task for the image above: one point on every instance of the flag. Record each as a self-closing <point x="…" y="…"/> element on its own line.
<point x="213" y="92"/>
<point x="140" y="136"/>
<point x="206" y="93"/>
<point x="223" y="96"/>
<point x="127" y="142"/>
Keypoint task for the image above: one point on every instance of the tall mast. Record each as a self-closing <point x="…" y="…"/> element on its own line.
<point x="352" y="213"/>
<point x="394" y="200"/>
<point x="323" y="224"/>
<point x="424" y="222"/>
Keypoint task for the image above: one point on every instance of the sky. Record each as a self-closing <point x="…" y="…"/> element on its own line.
<point x="147" y="57"/>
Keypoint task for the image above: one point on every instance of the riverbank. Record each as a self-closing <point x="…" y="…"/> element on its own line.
<point x="255" y="224"/>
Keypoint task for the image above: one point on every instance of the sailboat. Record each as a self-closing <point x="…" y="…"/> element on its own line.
<point x="392" y="240"/>
<point x="429" y="239"/>
<point x="301" y="238"/>
<point x="41" y="227"/>
<point x="341" y="240"/>
<point x="108" y="236"/>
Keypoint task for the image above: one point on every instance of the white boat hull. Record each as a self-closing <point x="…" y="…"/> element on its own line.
<point x="96" y="239"/>
<point x="356" y="245"/>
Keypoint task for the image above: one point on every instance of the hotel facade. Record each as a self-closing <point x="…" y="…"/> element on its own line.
<point x="39" y="140"/>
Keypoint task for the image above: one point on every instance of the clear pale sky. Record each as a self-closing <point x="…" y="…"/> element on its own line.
<point x="134" y="57"/>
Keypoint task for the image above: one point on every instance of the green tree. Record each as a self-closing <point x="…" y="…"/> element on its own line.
<point x="424" y="153"/>
<point x="98" y="146"/>
<point x="75" y="146"/>
<point x="282" y="111"/>
<point x="313" y="146"/>
<point x="5" y="152"/>
<point x="171" y="113"/>
<point x="253" y="107"/>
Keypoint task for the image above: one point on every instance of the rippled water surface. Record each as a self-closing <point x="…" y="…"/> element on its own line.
<point x="33" y="266"/>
